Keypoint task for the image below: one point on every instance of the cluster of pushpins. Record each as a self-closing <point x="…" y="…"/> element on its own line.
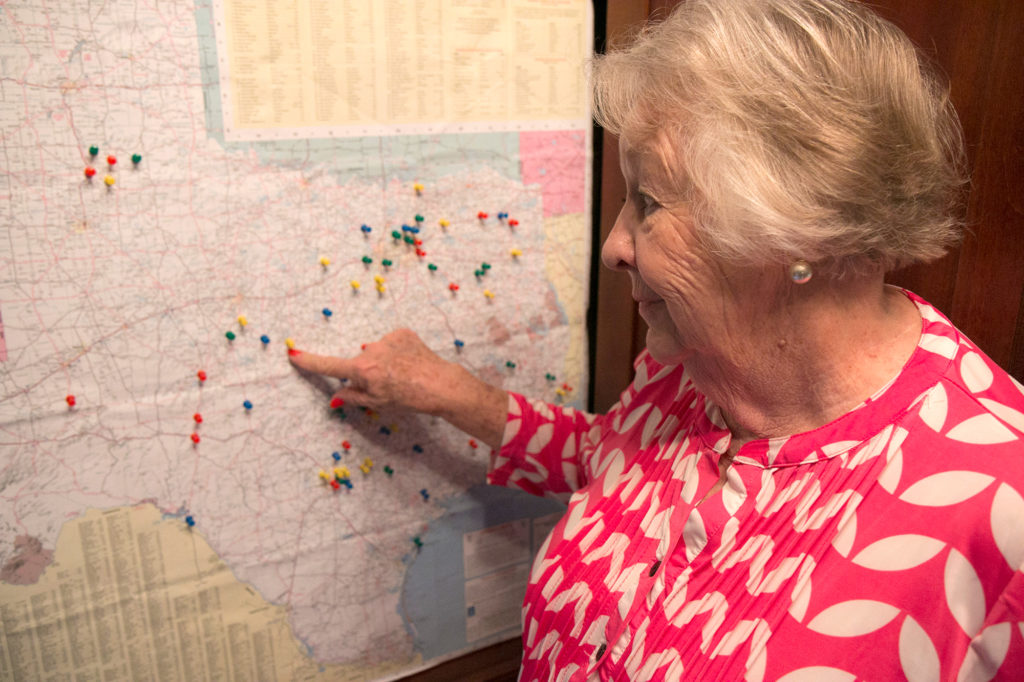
<point x="108" y="179"/>
<point x="340" y="475"/>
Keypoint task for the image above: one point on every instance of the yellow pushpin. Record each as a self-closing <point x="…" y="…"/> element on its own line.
<point x="290" y="342"/>
<point x="488" y="293"/>
<point x="516" y="253"/>
<point x="340" y="472"/>
<point x="242" y="320"/>
<point x="381" y="288"/>
<point x="443" y="223"/>
<point x="368" y="462"/>
<point x="355" y="284"/>
<point x="325" y="261"/>
<point x="378" y="279"/>
<point x="560" y="392"/>
<point x="324" y="476"/>
<point x="109" y="180"/>
<point x="365" y="469"/>
<point x="418" y="187"/>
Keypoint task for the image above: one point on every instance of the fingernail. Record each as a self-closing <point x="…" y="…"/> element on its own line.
<point x="337" y="402"/>
<point x="293" y="352"/>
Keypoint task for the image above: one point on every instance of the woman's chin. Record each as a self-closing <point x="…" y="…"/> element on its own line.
<point x="664" y="348"/>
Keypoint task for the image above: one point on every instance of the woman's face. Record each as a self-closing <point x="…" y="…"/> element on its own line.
<point x="692" y="302"/>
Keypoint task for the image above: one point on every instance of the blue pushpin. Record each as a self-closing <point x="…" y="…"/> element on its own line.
<point x="385" y="430"/>
<point x="366" y="229"/>
<point x="247" y="404"/>
<point x="348" y="483"/>
<point x="265" y="339"/>
<point x="502" y="215"/>
<point x="190" y="521"/>
<point x="417" y="448"/>
<point x="459" y="343"/>
<point x="327" y="312"/>
<point x="425" y="494"/>
<point x="336" y="456"/>
<point x="406" y="228"/>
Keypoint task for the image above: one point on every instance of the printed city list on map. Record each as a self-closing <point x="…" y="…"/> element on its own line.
<point x="186" y="186"/>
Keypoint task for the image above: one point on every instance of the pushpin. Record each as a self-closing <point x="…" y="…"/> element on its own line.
<point x="201" y="375"/>
<point x="136" y="159"/>
<point x="345" y="444"/>
<point x="195" y="438"/>
<point x="417" y="448"/>
<point x="355" y="284"/>
<point x="566" y="387"/>
<point x="513" y="222"/>
<point x="336" y="456"/>
<point x="549" y="376"/>
<point x="473" y="444"/>
<point x="479" y="273"/>
<point x="93" y="151"/>
<point x="453" y="286"/>
<point x="290" y="343"/>
<point x="190" y="521"/>
<point x="485" y="266"/>
<point x="264" y="339"/>
<point x="70" y="400"/>
<point x="335" y="485"/>
<point x="378" y="279"/>
<point x="336" y="403"/>
<point x="431" y="267"/>
<point x="425" y="494"/>
<point x="560" y="393"/>
<point x="394" y="427"/>
<point x="367" y="260"/>
<point x="418" y="218"/>
<point x="90" y="171"/>
<point x="516" y="253"/>
<point x="385" y="430"/>
<point x="481" y="215"/>
<point x="230" y="336"/>
<point x="418" y="188"/>
<point x="459" y="343"/>
<point x="488" y="294"/>
<point x="396" y="234"/>
<point x="242" y="320"/>
<point x="443" y="223"/>
<point x="366" y="229"/>
<point x="327" y="312"/>
<point x="324" y="476"/>
<point x="247" y="404"/>
<point x="198" y="418"/>
<point x="368" y="462"/>
<point x="386" y="263"/>
<point x="408" y="239"/>
<point x="109" y="180"/>
<point x="416" y="541"/>
<point x="388" y="470"/>
<point x="339" y="472"/>
<point x="111" y="160"/>
<point x="421" y="253"/>
<point x="510" y="364"/>
<point x="325" y="261"/>
<point x="347" y="483"/>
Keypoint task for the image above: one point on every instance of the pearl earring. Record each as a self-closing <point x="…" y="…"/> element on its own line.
<point x="800" y="272"/>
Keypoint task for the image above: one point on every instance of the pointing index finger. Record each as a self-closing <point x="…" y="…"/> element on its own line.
<point x="339" y="368"/>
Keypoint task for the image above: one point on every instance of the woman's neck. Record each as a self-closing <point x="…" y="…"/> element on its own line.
<point x="808" y="361"/>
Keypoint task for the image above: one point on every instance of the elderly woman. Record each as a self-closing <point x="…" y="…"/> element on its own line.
<point x="813" y="476"/>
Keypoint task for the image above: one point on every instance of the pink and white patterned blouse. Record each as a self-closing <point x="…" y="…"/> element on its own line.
<point x="886" y="545"/>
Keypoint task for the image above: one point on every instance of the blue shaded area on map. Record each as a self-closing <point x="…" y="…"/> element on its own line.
<point x="433" y="596"/>
<point x="402" y="156"/>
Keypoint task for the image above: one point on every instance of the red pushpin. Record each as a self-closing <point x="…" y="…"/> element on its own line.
<point x="90" y="171"/>
<point x="335" y="484"/>
<point x="71" y="400"/>
<point x="198" y="417"/>
<point x="202" y="375"/>
<point x="195" y="437"/>
<point x="567" y="387"/>
<point x="336" y="403"/>
<point x="513" y="222"/>
<point x="362" y="347"/>
<point x="417" y="242"/>
<point x="111" y="160"/>
<point x="481" y="215"/>
<point x="421" y="253"/>
<point x="453" y="286"/>
<point x="345" y="444"/>
<point x="472" y="444"/>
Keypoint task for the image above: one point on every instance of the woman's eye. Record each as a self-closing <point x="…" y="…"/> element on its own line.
<point x="647" y="203"/>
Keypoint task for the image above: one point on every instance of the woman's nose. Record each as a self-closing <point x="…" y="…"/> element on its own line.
<point x="617" y="251"/>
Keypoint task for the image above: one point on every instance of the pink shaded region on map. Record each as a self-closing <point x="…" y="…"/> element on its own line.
<point x="556" y="161"/>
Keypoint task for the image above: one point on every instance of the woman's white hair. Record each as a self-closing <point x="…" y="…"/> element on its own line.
<point x="798" y="129"/>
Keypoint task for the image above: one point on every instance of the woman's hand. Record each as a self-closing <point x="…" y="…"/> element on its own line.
<point x="399" y="371"/>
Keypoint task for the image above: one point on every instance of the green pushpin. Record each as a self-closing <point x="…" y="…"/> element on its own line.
<point x="388" y="470"/>
<point x="395" y="234"/>
<point x="367" y="260"/>
<point x="549" y="376"/>
<point x="136" y="158"/>
<point x="416" y="541"/>
<point x="478" y="273"/>
<point x="510" y="364"/>
<point x="485" y="266"/>
<point x="93" y="151"/>
<point x="386" y="263"/>
<point x="230" y="336"/>
<point x="408" y="240"/>
<point x="419" y="218"/>
<point x="431" y="267"/>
